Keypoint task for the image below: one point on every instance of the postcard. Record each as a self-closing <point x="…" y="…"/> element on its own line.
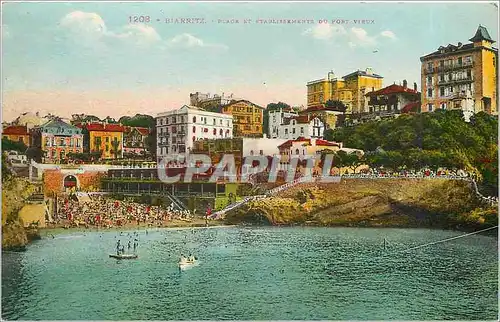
<point x="249" y="160"/>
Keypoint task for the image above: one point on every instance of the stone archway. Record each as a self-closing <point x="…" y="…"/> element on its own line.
<point x="70" y="182"/>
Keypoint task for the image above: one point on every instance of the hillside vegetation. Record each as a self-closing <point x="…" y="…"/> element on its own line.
<point x="439" y="139"/>
<point x="375" y="203"/>
<point x="14" y="193"/>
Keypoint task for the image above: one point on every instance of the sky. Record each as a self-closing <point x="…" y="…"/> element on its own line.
<point x="67" y="58"/>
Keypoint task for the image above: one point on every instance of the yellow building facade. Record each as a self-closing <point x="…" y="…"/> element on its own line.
<point x="350" y="90"/>
<point x="247" y="118"/>
<point x="455" y="75"/>
<point x="107" y="138"/>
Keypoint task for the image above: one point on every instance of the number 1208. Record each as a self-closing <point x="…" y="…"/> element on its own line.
<point x="133" y="19"/>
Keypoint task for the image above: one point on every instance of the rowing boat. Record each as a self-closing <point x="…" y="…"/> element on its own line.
<point x="123" y="256"/>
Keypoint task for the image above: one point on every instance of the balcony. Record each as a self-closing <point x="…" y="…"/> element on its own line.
<point x="456" y="81"/>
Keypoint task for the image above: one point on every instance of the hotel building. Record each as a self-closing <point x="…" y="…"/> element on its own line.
<point x="454" y="75"/>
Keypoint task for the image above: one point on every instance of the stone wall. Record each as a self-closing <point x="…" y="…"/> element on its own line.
<point x="87" y="181"/>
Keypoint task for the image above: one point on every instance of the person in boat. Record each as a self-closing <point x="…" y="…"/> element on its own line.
<point x="118" y="247"/>
<point x="129" y="244"/>
<point x="191" y="258"/>
<point x="183" y="259"/>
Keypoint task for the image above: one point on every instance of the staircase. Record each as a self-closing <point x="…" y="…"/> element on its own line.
<point x="489" y="200"/>
<point x="274" y="191"/>
<point x="176" y="203"/>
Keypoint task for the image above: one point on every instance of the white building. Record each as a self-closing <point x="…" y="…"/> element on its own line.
<point x="177" y="130"/>
<point x="288" y="125"/>
<point x="277" y="118"/>
<point x="261" y="146"/>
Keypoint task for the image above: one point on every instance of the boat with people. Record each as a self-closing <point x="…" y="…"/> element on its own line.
<point x="187" y="262"/>
<point x="123" y="256"/>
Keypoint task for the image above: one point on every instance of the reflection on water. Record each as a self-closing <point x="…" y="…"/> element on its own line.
<point x="254" y="273"/>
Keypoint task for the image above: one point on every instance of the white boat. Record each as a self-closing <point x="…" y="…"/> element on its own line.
<point x="187" y="264"/>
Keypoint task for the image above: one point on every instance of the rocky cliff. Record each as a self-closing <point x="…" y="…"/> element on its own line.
<point x="373" y="203"/>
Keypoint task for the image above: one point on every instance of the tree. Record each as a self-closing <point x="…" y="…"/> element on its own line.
<point x="151" y="142"/>
<point x="8" y="145"/>
<point x="6" y="173"/>
<point x="336" y="105"/>
<point x="35" y="153"/>
<point x="139" y="120"/>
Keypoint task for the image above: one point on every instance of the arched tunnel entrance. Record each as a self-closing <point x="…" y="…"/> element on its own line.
<point x="70" y="182"/>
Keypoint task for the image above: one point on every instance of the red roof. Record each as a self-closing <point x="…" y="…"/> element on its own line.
<point x="15" y="130"/>
<point x="313" y="109"/>
<point x="392" y="89"/>
<point x="143" y="130"/>
<point x="103" y="127"/>
<point x="411" y="107"/>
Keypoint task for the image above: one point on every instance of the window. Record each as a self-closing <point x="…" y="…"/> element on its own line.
<point x="443" y="106"/>
<point x="302" y="130"/>
<point x="469" y="74"/>
<point x="161" y="121"/>
<point x="459" y="61"/>
<point x="166" y="121"/>
<point x="293" y="131"/>
<point x="429" y="80"/>
<point x="451" y="89"/>
<point x="221" y="132"/>
<point x="215" y="130"/>
<point x="261" y="152"/>
<point x="194" y="129"/>
<point x="441" y="91"/>
<point x="429" y="107"/>
<point x="107" y="139"/>
<point x="429" y="66"/>
<point x="220" y="122"/>
<point x="204" y="120"/>
<point x="441" y="77"/>
<point x="297" y="151"/>
<point x="214" y="122"/>
<point x="194" y="138"/>
<point x="286" y="131"/>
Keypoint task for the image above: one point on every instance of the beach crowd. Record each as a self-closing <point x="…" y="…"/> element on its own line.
<point x="105" y="212"/>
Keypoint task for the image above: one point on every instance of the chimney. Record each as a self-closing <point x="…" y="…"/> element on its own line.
<point x="405" y="84"/>
<point x="415" y="87"/>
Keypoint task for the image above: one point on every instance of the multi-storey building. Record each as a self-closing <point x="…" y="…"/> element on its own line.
<point x="276" y="118"/>
<point x="57" y="139"/>
<point x="134" y="140"/>
<point x="178" y="129"/>
<point x="104" y="138"/>
<point x="393" y="98"/>
<point x="455" y="72"/>
<point x="239" y="148"/>
<point x="247" y="118"/>
<point x="294" y="126"/>
<point x="350" y="90"/>
<point x="16" y="133"/>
